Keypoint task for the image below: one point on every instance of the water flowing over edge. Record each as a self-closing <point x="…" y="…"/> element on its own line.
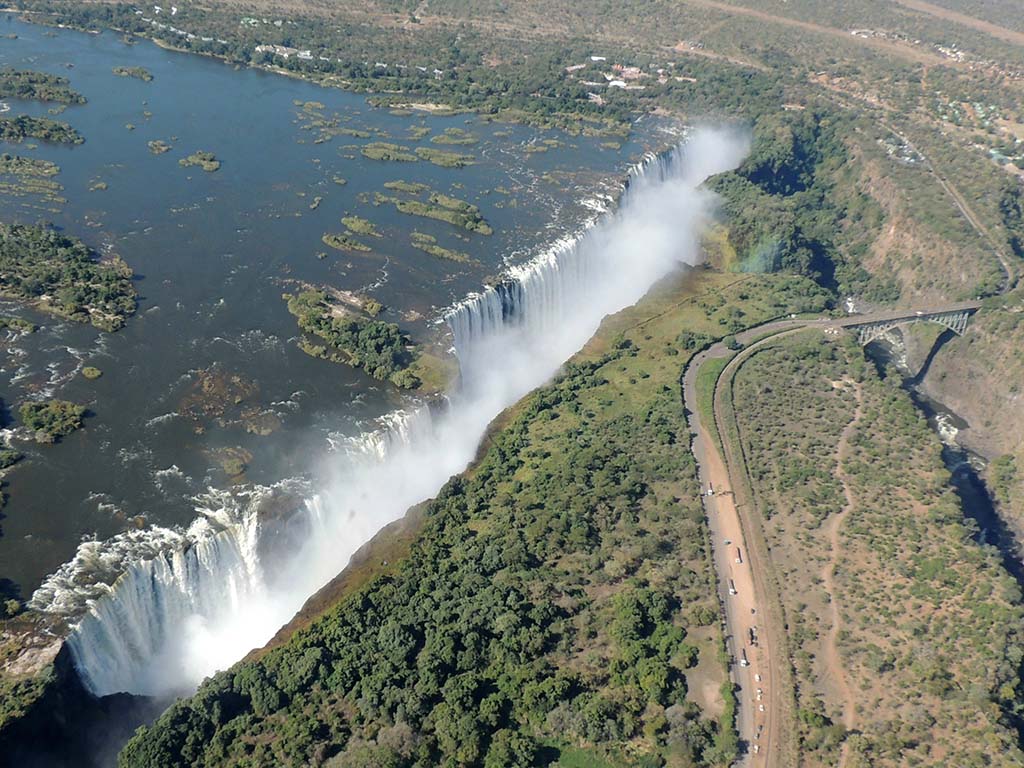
<point x="189" y="602"/>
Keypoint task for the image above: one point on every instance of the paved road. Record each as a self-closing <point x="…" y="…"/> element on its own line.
<point x="744" y="610"/>
<point x="729" y="550"/>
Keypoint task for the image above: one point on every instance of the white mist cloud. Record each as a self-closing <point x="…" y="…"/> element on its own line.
<point x="656" y="228"/>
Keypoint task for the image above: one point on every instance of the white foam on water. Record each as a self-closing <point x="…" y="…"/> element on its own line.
<point x="159" y="610"/>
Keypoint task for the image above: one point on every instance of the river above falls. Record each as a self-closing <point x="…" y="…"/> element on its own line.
<point x="209" y="370"/>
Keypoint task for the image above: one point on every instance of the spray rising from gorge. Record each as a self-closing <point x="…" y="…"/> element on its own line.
<point x="235" y="577"/>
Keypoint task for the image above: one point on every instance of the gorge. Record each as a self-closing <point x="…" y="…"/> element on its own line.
<point x="203" y="599"/>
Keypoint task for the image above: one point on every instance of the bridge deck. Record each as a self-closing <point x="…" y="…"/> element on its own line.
<point x="908" y="314"/>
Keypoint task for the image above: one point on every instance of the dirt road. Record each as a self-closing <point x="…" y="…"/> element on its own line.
<point x="741" y="591"/>
<point x="739" y="598"/>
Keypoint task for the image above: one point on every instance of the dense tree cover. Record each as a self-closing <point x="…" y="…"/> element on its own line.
<point x="8" y="456"/>
<point x="19" y="694"/>
<point x="139" y="73"/>
<point x="792" y="206"/>
<point x="475" y="640"/>
<point x="25" y="84"/>
<point x="17" y="129"/>
<point x="51" y="420"/>
<point x="16" y="324"/>
<point x="377" y="347"/>
<point x="62" y="275"/>
<point x="1011" y="208"/>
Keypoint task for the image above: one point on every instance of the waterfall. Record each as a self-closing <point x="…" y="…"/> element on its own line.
<point x="142" y="600"/>
<point x="535" y="299"/>
<point x="199" y="600"/>
<point x="130" y="642"/>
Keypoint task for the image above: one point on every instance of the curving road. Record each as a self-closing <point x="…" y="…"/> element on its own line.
<point x="758" y="684"/>
<point x="746" y="586"/>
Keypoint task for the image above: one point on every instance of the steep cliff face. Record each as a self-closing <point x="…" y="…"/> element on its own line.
<point x="47" y="718"/>
<point x="27" y="656"/>
<point x="924" y="250"/>
<point x="980" y="376"/>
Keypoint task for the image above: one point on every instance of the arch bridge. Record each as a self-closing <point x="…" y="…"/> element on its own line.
<point x="871" y="327"/>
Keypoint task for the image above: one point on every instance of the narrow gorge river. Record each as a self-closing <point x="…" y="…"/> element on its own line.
<point x="965" y="467"/>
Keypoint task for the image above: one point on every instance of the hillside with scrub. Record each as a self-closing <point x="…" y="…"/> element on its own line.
<point x="903" y="632"/>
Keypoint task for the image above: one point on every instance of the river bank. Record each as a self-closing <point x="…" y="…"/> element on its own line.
<point x="903" y="354"/>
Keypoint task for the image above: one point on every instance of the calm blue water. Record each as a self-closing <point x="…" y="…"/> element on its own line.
<point x="214" y="253"/>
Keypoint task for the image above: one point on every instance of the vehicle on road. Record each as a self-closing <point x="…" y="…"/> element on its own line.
<point x="739" y="556"/>
<point x="732" y="587"/>
<point x="745" y="663"/>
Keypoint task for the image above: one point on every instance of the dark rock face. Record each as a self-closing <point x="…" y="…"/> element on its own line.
<point x="67" y="727"/>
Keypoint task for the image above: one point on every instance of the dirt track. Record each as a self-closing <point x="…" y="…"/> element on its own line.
<point x="832" y="659"/>
<point x="747" y="609"/>
<point x="1010" y="35"/>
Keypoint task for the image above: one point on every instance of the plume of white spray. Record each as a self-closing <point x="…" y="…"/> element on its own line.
<point x="509" y="341"/>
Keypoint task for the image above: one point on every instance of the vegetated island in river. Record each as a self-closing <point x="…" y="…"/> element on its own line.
<point x="205" y="160"/>
<point x="51" y="420"/>
<point x="63" y="276"/>
<point x="361" y="226"/>
<point x="455" y="136"/>
<point x="17" y="129"/>
<point x="444" y="158"/>
<point x="345" y="243"/>
<point x="16" y="165"/>
<point x="29" y="177"/>
<point x="38" y="86"/>
<point x="442" y="207"/>
<point x="382" y="150"/>
<point x="16" y="324"/>
<point x="352" y="338"/>
<point x="139" y="73"/>
<point x="428" y="244"/>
